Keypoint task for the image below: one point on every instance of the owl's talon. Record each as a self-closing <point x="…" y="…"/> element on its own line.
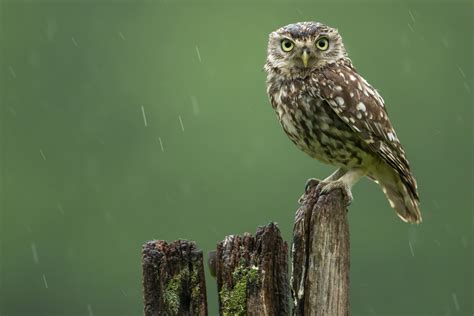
<point x="311" y="182"/>
<point x="334" y="185"/>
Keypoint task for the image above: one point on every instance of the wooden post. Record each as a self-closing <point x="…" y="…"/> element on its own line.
<point x="320" y="278"/>
<point x="252" y="273"/>
<point x="173" y="279"/>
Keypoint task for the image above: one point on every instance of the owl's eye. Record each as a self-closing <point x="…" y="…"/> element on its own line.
<point x="287" y="45"/>
<point x="322" y="43"/>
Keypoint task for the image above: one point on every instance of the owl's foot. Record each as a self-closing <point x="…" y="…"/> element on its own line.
<point x="311" y="182"/>
<point x="341" y="179"/>
<point x="338" y="184"/>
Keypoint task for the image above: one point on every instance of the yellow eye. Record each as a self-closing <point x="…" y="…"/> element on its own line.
<point x="287" y="45"/>
<point x="322" y="43"/>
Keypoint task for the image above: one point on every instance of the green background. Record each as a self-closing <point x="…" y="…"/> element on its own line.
<point x="84" y="182"/>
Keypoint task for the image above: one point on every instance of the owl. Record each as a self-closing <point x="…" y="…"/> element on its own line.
<point x="335" y="116"/>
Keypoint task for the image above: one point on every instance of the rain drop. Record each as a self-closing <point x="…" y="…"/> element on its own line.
<point x="89" y="309"/>
<point x="34" y="251"/>
<point x="42" y="155"/>
<point x="181" y="122"/>
<point x="45" y="281"/>
<point x="411" y="249"/>
<point x="411" y="15"/>
<point x="13" y="73"/>
<point x="455" y="301"/>
<point x="60" y="208"/>
<point x="144" y="116"/>
<point x="161" y="144"/>
<point x="195" y="104"/>
<point x="198" y="54"/>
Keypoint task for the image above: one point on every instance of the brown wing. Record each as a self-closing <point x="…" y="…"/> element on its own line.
<point x="359" y="105"/>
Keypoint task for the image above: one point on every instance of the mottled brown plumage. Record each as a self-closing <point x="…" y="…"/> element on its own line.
<point x="330" y="112"/>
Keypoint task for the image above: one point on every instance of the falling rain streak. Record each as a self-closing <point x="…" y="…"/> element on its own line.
<point x="455" y="301"/>
<point x="34" y="251"/>
<point x="463" y="74"/>
<point x="411" y="15"/>
<point x="198" y="54"/>
<point x="12" y="71"/>
<point x="195" y="104"/>
<point x="121" y="35"/>
<point x="60" y="208"/>
<point x="89" y="309"/>
<point x="161" y="144"/>
<point x="181" y="122"/>
<point x="42" y="155"/>
<point x="144" y="116"/>
<point x="466" y="86"/>
<point x="411" y="249"/>
<point x="45" y="281"/>
<point x="74" y="42"/>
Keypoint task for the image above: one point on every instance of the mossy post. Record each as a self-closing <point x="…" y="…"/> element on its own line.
<point x="173" y="279"/>
<point x="320" y="254"/>
<point x="252" y="273"/>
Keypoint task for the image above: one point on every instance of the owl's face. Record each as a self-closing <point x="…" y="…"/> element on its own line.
<point x="301" y="47"/>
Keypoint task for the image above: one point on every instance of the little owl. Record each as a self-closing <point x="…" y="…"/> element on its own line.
<point x="331" y="113"/>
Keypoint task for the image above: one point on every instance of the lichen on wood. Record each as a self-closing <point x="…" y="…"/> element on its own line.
<point x="234" y="301"/>
<point x="173" y="279"/>
<point x="252" y="273"/>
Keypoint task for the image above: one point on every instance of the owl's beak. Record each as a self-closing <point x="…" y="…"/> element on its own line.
<point x="305" y="57"/>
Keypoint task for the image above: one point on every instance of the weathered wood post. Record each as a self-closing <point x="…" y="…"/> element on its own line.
<point x="252" y="273"/>
<point x="320" y="254"/>
<point x="173" y="279"/>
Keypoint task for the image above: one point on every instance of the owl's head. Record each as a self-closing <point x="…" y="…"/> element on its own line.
<point x="301" y="47"/>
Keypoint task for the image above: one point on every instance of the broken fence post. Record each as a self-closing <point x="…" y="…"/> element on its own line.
<point x="173" y="278"/>
<point x="252" y="273"/>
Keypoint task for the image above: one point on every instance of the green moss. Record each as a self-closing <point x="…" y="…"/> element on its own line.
<point x="234" y="301"/>
<point x="196" y="289"/>
<point x="173" y="290"/>
<point x="194" y="277"/>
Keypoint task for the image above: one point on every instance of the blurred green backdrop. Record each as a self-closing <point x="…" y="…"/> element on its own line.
<point x="84" y="181"/>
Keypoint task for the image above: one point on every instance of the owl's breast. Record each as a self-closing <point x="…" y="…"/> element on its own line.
<point x="314" y="127"/>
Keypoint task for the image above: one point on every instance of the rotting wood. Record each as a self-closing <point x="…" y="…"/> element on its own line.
<point x="173" y="278"/>
<point x="252" y="273"/>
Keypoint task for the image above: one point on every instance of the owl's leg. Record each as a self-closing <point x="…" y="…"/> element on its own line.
<point x="344" y="182"/>
<point x="333" y="177"/>
<point x="336" y="175"/>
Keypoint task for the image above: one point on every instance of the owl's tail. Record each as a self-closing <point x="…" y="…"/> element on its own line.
<point x="401" y="199"/>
